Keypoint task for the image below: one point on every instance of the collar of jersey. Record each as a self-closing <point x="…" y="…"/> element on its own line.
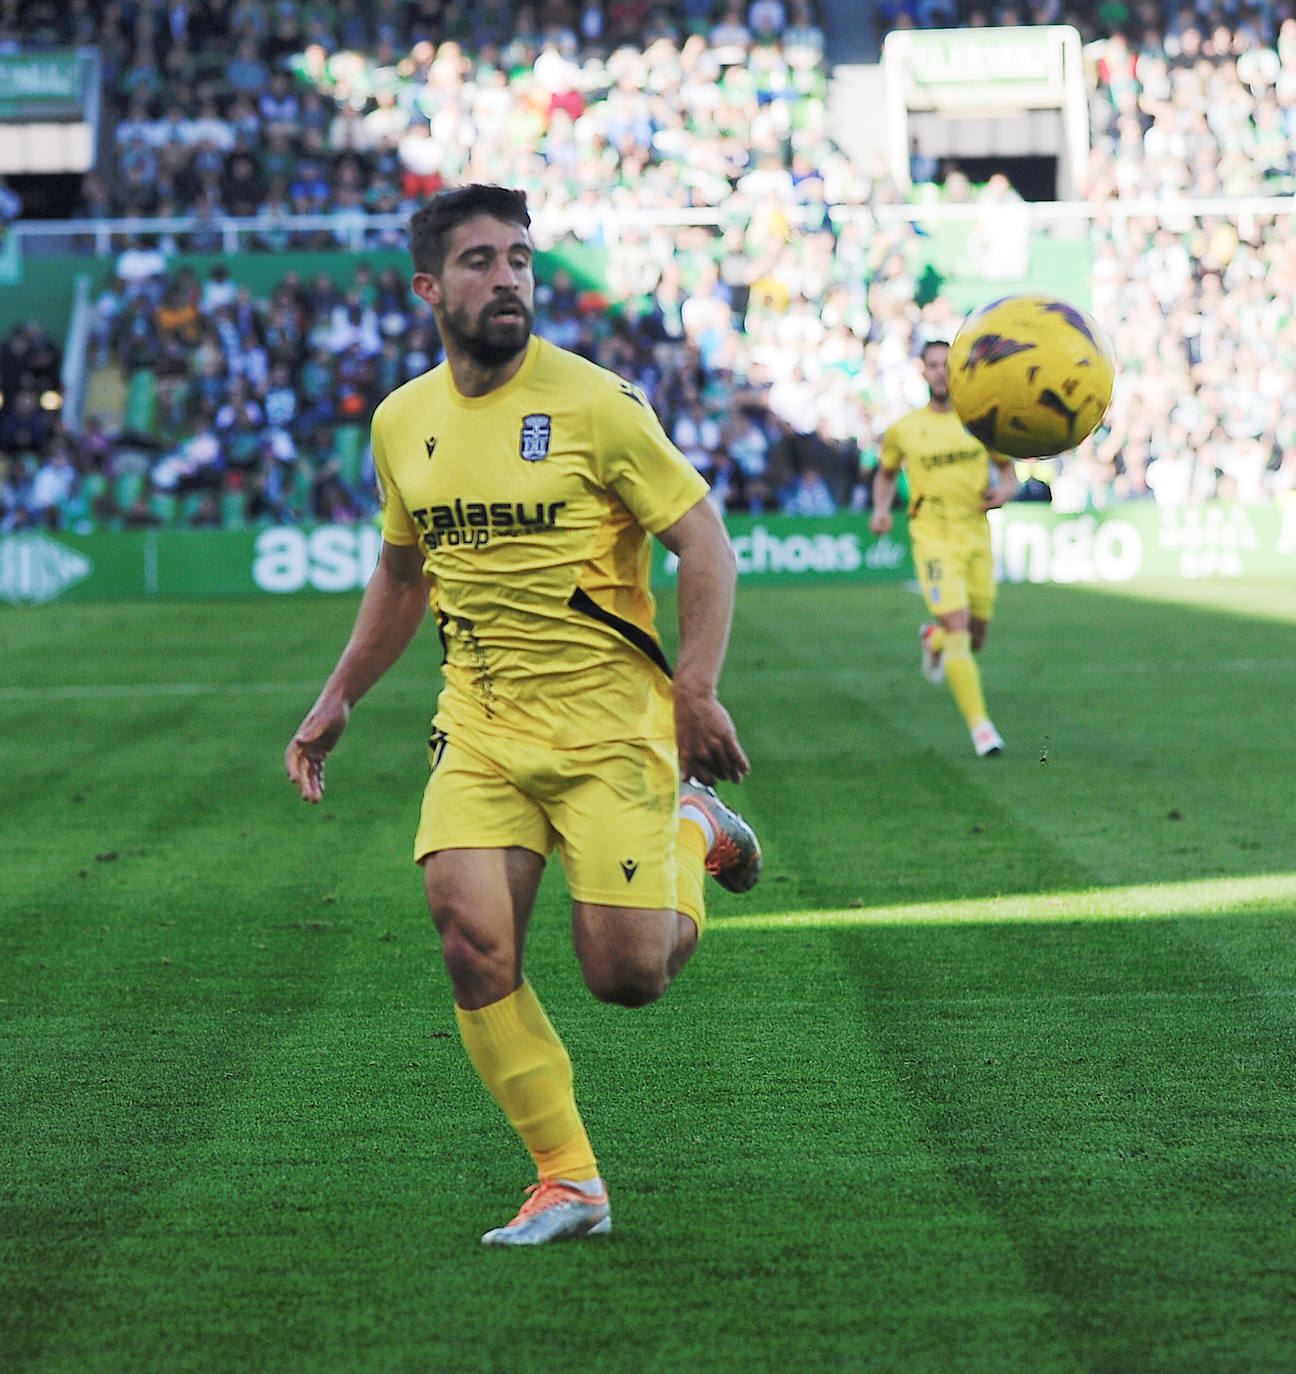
<point x="516" y="380"/>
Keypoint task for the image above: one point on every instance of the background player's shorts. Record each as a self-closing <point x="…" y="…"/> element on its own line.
<point x="610" y="808"/>
<point x="955" y="575"/>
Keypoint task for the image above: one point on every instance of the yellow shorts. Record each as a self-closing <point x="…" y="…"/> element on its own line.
<point x="610" y="808"/>
<point x="956" y="575"/>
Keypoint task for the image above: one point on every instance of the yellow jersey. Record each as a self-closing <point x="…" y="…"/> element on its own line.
<point x="948" y="470"/>
<point x="533" y="506"/>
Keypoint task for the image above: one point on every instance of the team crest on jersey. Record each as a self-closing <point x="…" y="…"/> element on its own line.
<point x="535" y="438"/>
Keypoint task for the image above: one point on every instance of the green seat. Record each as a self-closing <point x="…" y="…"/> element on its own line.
<point x="141" y="403"/>
<point x="349" y="450"/>
<point x="97" y="497"/>
<point x="232" y="509"/>
<point x="127" y="489"/>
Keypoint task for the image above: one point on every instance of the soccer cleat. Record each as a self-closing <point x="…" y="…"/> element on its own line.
<point x="933" y="661"/>
<point x="555" y="1210"/>
<point x="986" y="740"/>
<point x="734" y="859"/>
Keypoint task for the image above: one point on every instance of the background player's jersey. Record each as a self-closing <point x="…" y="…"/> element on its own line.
<point x="948" y="471"/>
<point x="533" y="507"/>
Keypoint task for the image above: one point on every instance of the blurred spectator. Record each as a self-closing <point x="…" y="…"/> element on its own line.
<point x="140" y="515"/>
<point x="10" y="203"/>
<point x="141" y="268"/>
<point x="698" y="435"/>
<point x="242" y="186"/>
<point x="195" y="465"/>
<point x="24" y="426"/>
<point x="206" y="513"/>
<point x="52" y="485"/>
<point x="807" y="494"/>
<point x="29" y="360"/>
<point x="136" y="338"/>
<point x="246" y="72"/>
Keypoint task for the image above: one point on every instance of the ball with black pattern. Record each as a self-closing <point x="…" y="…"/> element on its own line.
<point x="1030" y="376"/>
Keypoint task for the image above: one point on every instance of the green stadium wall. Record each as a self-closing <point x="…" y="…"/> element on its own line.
<point x="37" y="287"/>
<point x="1124" y="544"/>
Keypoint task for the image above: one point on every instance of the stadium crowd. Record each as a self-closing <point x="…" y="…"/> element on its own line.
<point x="776" y="339"/>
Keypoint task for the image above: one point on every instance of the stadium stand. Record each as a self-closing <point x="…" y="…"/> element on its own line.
<point x="776" y="340"/>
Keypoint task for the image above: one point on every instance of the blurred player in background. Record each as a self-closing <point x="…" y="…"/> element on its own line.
<point x="950" y="490"/>
<point x="521" y="485"/>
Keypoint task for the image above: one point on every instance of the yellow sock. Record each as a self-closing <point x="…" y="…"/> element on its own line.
<point x="518" y="1055"/>
<point x="936" y="640"/>
<point x="964" y="677"/>
<point x="690" y="872"/>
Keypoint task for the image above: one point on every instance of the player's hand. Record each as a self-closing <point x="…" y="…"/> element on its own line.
<point x="310" y="746"/>
<point x="708" y="743"/>
<point x="880" y="522"/>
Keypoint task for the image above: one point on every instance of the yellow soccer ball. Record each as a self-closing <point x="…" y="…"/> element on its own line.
<point x="1030" y="376"/>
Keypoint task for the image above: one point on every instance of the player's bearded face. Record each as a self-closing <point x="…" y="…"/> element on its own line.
<point x="936" y="372"/>
<point x="495" y="333"/>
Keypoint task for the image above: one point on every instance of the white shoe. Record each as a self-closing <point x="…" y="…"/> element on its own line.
<point x="933" y="661"/>
<point x="555" y="1209"/>
<point x="986" y="740"/>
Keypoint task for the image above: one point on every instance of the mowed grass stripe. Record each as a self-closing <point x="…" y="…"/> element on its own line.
<point x="129" y="690"/>
<point x="399" y="682"/>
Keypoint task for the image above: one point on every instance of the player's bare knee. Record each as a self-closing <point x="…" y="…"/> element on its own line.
<point x="626" y="984"/>
<point x="470" y="955"/>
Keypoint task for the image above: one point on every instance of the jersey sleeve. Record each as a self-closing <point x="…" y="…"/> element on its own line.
<point x="397" y="527"/>
<point x="892" y="456"/>
<point x="637" y="461"/>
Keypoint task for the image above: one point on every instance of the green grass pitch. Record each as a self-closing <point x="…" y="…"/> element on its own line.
<point x="996" y="1070"/>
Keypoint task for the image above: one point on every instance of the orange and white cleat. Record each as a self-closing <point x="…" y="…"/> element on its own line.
<point x="556" y="1209"/>
<point x="734" y="859"/>
<point x="933" y="661"/>
<point x="987" y="741"/>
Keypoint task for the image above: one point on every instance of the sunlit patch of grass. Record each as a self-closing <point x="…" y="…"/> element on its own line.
<point x="1270" y="892"/>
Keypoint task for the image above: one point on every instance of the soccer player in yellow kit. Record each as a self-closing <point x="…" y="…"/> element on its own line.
<point x="521" y="486"/>
<point x="949" y="493"/>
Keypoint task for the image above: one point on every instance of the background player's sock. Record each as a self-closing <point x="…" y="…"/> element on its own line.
<point x="964" y="677"/>
<point x="518" y="1055"/>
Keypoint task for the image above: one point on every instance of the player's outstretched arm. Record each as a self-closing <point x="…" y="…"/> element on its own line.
<point x="390" y="613"/>
<point x="885" y="482"/>
<point x="708" y="743"/>
<point x="1004" y="487"/>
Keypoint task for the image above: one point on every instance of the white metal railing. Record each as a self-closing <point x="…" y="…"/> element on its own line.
<point x="359" y="232"/>
<point x="354" y="231"/>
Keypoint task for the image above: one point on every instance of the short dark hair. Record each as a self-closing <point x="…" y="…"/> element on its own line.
<point x="430" y="226"/>
<point x="930" y="344"/>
